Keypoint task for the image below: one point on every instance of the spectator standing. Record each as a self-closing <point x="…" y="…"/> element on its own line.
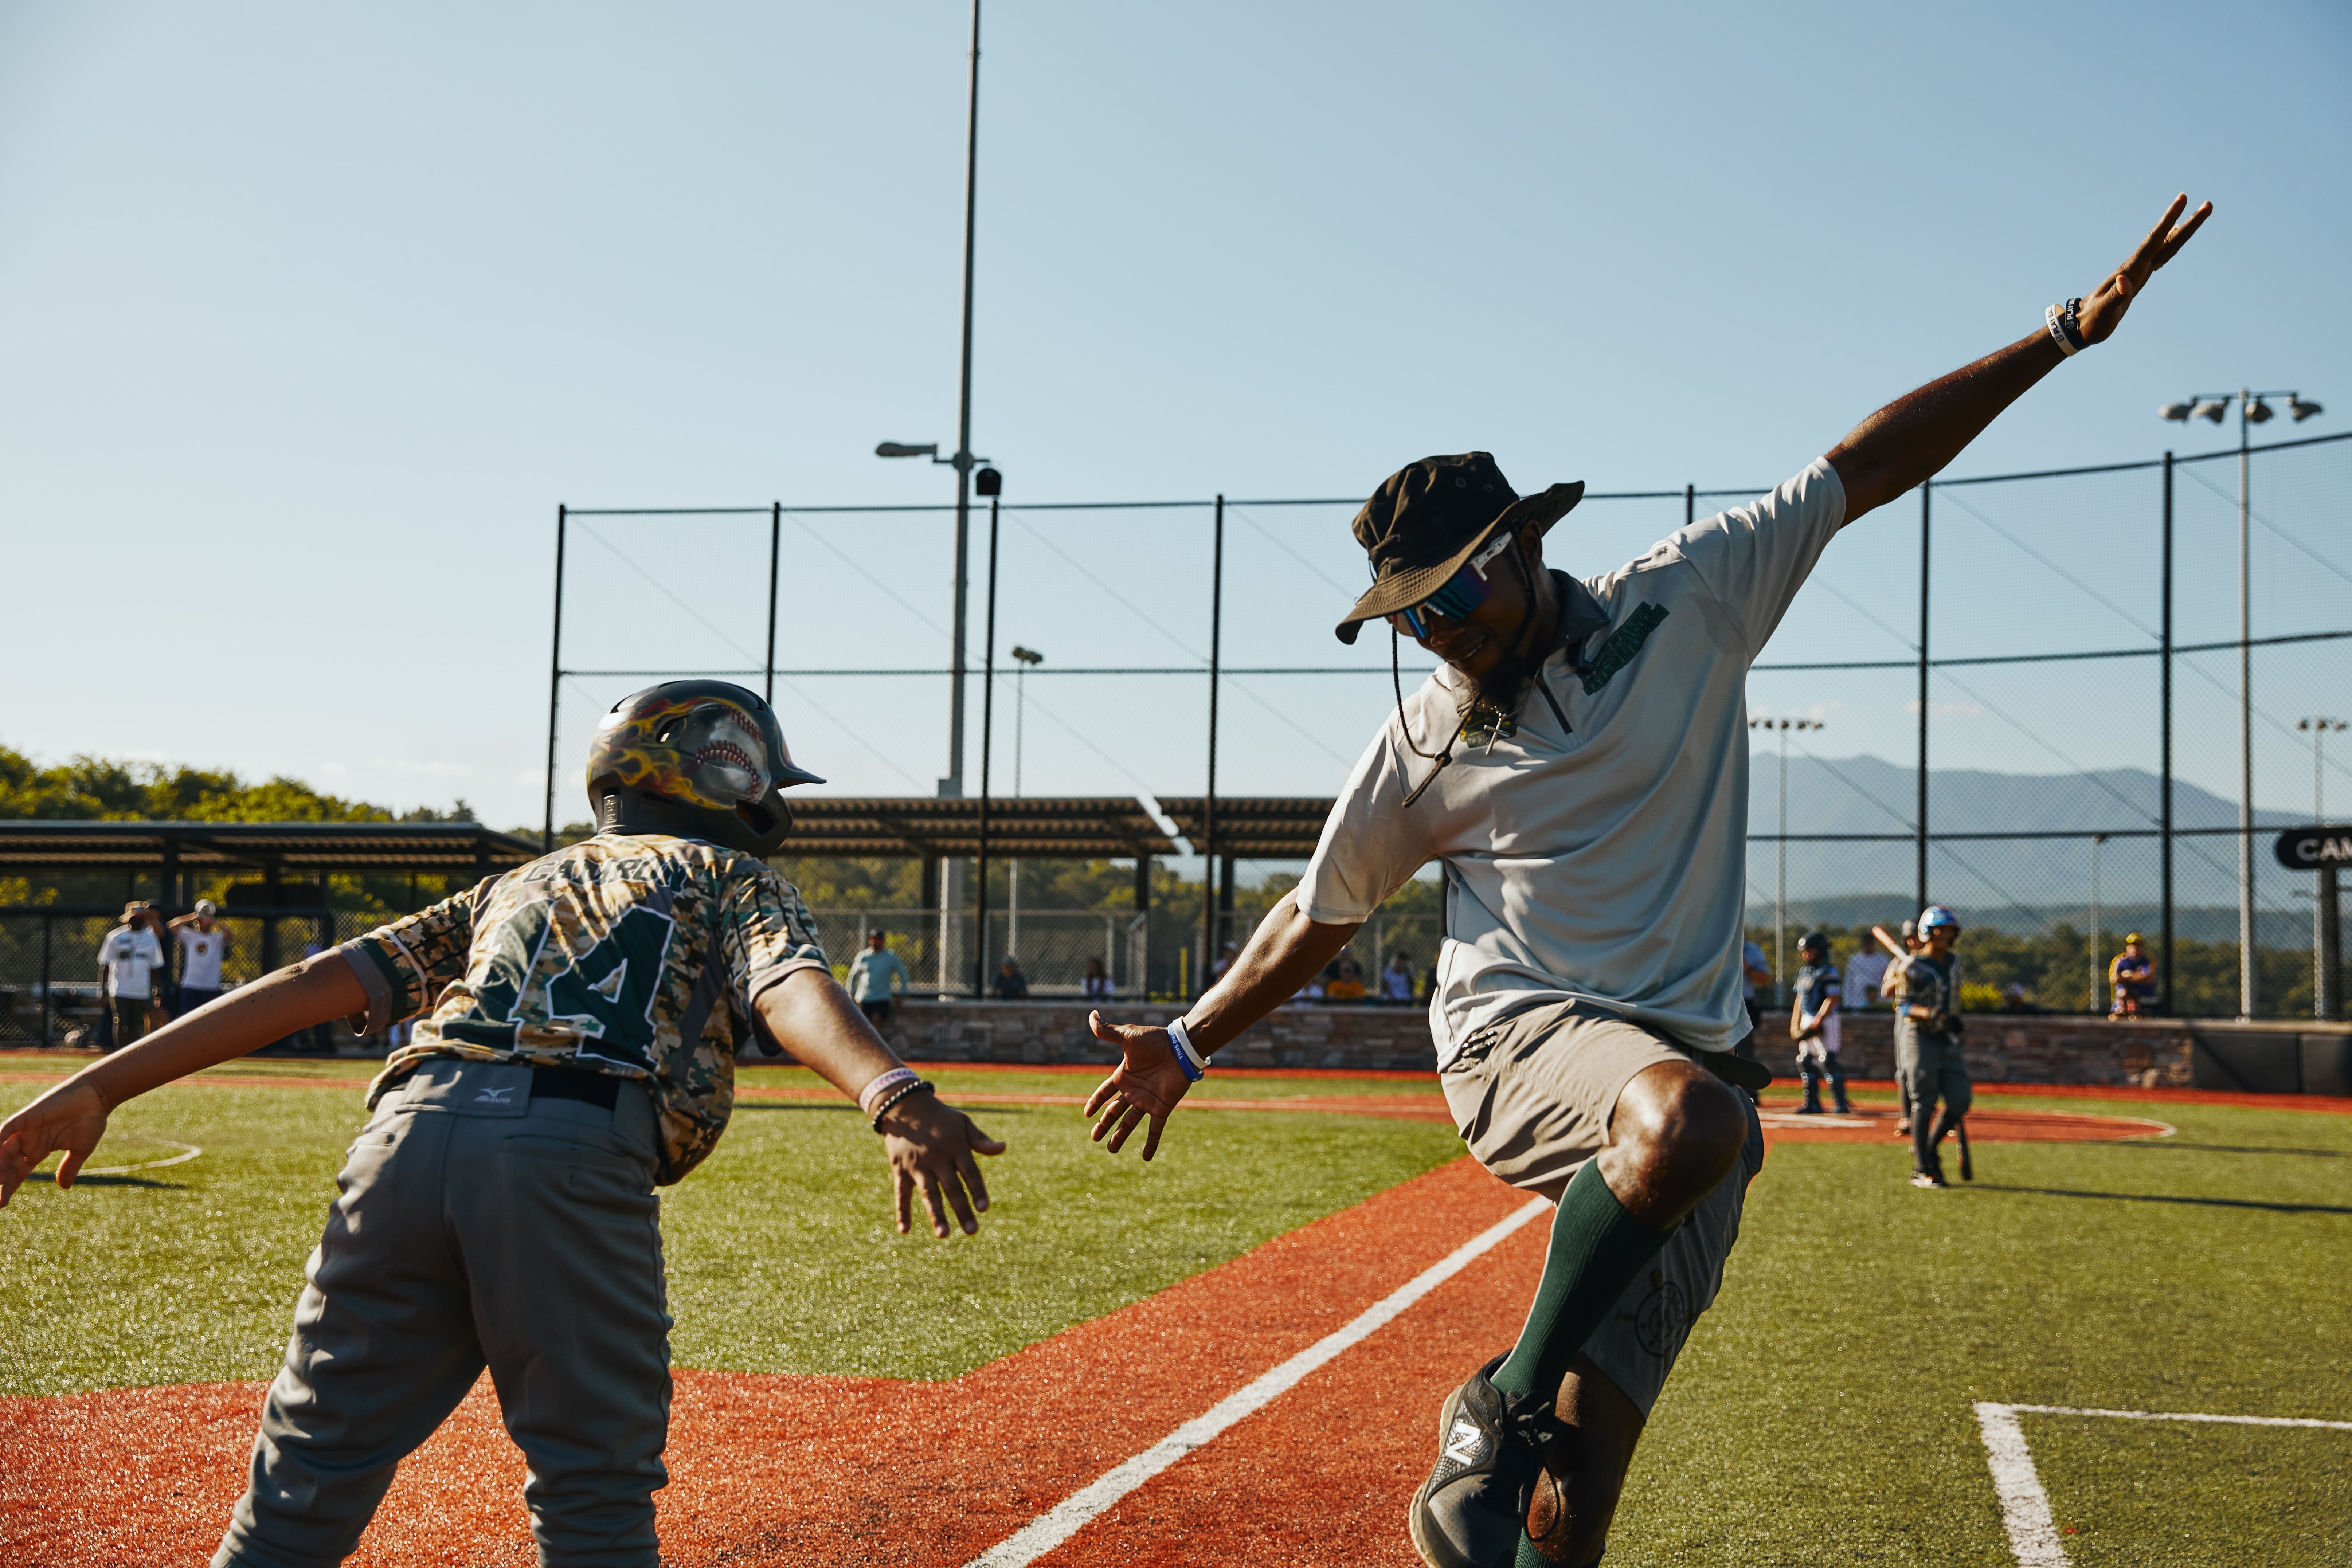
<point x="1011" y="985"/>
<point x="877" y="978"/>
<point x="1813" y="1022"/>
<point x="1223" y="961"/>
<point x="204" y="943"/>
<point x="1864" y="974"/>
<point x="1753" y="972"/>
<point x="1095" y="986"/>
<point x="2131" y="979"/>
<point x="127" y="962"/>
<point x="1895" y="985"/>
<point x="1396" y="980"/>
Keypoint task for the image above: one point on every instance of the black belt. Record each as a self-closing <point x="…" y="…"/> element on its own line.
<point x="575" y="1083"/>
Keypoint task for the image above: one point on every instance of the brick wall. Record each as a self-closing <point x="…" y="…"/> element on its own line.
<point x="1055" y="1031"/>
<point x="2001" y="1047"/>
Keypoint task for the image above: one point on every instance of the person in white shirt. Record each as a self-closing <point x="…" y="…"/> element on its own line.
<point x="1578" y="765"/>
<point x="127" y="962"/>
<point x="203" y="944"/>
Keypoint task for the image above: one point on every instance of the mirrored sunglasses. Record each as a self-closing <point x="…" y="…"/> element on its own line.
<point x="1459" y="594"/>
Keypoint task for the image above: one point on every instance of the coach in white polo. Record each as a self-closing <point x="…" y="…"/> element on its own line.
<point x="1579" y="766"/>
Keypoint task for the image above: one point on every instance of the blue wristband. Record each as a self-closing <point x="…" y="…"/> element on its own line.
<point x="1188" y="1061"/>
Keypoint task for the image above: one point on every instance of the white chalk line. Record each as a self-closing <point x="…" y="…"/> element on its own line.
<point x="1051" y="1529"/>
<point x="2025" y="1514"/>
<point x="187" y="1152"/>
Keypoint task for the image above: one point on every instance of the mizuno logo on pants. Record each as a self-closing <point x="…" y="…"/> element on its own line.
<point x="493" y="1095"/>
<point x="1462" y="1444"/>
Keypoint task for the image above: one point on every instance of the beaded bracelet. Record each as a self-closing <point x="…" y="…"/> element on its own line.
<point x="895" y="1096"/>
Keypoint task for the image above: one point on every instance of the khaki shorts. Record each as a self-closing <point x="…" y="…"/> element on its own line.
<point x="1533" y="1096"/>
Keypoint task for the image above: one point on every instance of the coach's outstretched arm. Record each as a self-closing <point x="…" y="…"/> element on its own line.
<point x="72" y="1116"/>
<point x="1285" y="952"/>
<point x="1911" y="439"/>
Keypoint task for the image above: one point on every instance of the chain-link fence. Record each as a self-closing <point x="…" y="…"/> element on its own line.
<point x="2070" y="705"/>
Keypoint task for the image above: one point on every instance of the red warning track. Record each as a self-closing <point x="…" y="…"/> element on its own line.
<point x="831" y="1470"/>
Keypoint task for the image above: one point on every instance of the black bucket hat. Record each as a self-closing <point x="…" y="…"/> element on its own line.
<point x="1430" y="518"/>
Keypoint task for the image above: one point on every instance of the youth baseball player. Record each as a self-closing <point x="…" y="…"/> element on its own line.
<point x="1927" y="1036"/>
<point x="497" y="1208"/>
<point x="1579" y="766"/>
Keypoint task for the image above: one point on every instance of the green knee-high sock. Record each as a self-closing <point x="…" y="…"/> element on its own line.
<point x="1596" y="1250"/>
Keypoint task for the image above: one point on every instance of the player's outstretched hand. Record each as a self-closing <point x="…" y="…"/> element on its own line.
<point x="1147" y="1082"/>
<point x="930" y="1146"/>
<point x="69" y="1117"/>
<point x="2103" y="309"/>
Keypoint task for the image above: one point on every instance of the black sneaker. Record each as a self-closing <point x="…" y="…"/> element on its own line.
<point x="1472" y="1510"/>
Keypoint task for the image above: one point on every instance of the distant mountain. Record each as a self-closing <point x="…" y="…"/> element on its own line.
<point x="2022" y="883"/>
<point x="1871" y="795"/>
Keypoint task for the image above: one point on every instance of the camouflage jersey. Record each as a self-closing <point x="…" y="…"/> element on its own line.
<point x="615" y="956"/>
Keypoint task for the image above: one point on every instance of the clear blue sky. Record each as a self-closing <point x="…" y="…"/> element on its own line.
<point x="313" y="314"/>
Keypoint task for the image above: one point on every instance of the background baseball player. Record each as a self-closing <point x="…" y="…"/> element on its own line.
<point x="1928" y="1035"/>
<point x="497" y="1208"/>
<point x="1814" y="1023"/>
<point x="1579" y="766"/>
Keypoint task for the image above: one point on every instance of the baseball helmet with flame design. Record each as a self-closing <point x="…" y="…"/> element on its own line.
<point x="699" y="759"/>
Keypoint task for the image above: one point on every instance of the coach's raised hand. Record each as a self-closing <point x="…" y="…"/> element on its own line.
<point x="1147" y="1082"/>
<point x="2104" y="307"/>
<point x="1284" y="953"/>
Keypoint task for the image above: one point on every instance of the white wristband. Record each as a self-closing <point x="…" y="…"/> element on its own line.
<point x="1191" y="1059"/>
<point x="873" y="1091"/>
<point x="2063" y="332"/>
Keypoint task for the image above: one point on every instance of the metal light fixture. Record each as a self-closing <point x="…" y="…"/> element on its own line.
<point x="2177" y="411"/>
<point x="2257" y="411"/>
<point x="902" y="449"/>
<point x="2212" y="408"/>
<point x="2300" y="409"/>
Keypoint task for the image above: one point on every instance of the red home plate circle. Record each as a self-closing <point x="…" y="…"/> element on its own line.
<point x="1784" y="1123"/>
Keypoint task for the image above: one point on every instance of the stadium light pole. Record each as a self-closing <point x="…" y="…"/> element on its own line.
<point x="1027" y="657"/>
<point x="2099" y="970"/>
<point x="2253" y="409"/>
<point x="2324" y="1006"/>
<point x="1780" y="872"/>
<point x="963" y="462"/>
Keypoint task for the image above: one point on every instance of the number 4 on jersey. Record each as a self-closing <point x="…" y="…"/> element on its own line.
<point x="605" y="994"/>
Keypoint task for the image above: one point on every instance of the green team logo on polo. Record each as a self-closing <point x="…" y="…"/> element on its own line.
<point x="1622" y="644"/>
<point x="604" y="993"/>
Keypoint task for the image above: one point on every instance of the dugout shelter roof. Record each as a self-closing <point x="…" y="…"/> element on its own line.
<point x="1053" y="827"/>
<point x="300" y="847"/>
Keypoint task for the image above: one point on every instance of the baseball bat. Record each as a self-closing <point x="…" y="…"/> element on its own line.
<point x="1888" y="942"/>
<point x="1967" y="1165"/>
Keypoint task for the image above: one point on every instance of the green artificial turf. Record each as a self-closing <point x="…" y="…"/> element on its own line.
<point x="1821" y="1412"/>
<point x="780" y="1248"/>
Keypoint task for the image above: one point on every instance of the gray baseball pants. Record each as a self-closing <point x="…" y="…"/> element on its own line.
<point x="477" y="1226"/>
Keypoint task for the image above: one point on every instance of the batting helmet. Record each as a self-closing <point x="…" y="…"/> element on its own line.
<point x="1935" y="915"/>
<point x="699" y="759"/>
<point x="1814" y="941"/>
